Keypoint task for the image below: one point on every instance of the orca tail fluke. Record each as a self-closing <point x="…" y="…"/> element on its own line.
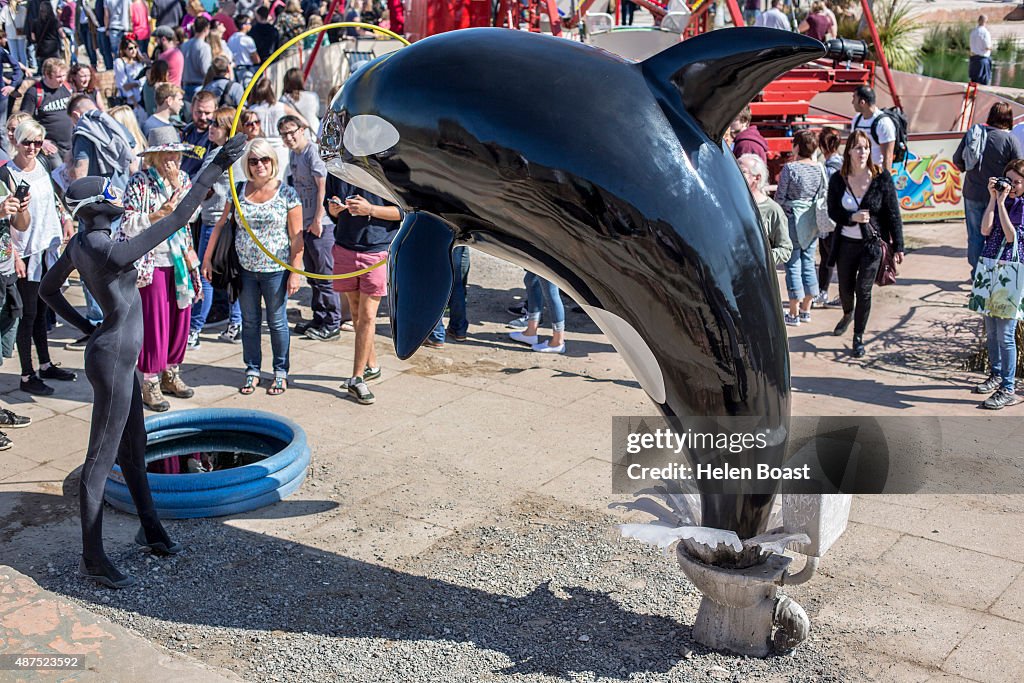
<point x="718" y="73"/>
<point x="420" y="279"/>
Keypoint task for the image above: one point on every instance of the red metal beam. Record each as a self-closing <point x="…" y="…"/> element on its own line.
<point x="320" y="38"/>
<point x="880" y="52"/>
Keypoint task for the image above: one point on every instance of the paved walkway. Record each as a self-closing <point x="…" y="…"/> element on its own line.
<point x="920" y="587"/>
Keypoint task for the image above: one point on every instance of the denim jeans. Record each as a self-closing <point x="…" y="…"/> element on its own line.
<point x="457" y="322"/>
<point x="973" y="212"/>
<point x="801" y="278"/>
<point x="18" y="48"/>
<point x="103" y="43"/>
<point x="1002" y="349"/>
<point x="114" y="36"/>
<point x="85" y="38"/>
<point x="270" y="289"/>
<point x="201" y="308"/>
<point x="539" y="291"/>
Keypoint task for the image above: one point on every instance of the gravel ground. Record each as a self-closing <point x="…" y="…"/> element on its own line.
<point x="547" y="593"/>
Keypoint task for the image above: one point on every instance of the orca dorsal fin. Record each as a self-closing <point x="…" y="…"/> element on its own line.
<point x="718" y="73"/>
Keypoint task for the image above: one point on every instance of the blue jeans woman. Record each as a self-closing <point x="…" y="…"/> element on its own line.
<point x="274" y="214"/>
<point x="540" y="292"/>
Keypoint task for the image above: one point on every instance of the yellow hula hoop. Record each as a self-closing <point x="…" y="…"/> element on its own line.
<point x="234" y="129"/>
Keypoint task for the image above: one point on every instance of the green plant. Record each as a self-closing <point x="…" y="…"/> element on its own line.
<point x="954" y="38"/>
<point x="895" y="26"/>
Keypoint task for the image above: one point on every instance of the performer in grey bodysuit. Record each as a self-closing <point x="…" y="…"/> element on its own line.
<point x="107" y="267"/>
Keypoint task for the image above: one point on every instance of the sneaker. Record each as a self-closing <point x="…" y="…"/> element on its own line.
<point x="433" y="344"/>
<point x="34" y="385"/>
<point x="153" y="398"/>
<point x="370" y="374"/>
<point x="232" y="335"/>
<point x="517" y="309"/>
<point x="193" y="340"/>
<point x="347" y="326"/>
<point x="834" y="303"/>
<point x="791" y="320"/>
<point x="819" y="300"/>
<point x="172" y="383"/>
<point x="321" y="334"/>
<point x="300" y="328"/>
<point x="1000" y="399"/>
<point x="989" y="385"/>
<point x="517" y="324"/>
<point x="456" y="337"/>
<point x="9" y="420"/>
<point x="805" y="317"/>
<point x="358" y="390"/>
<point x="529" y="339"/>
<point x="55" y="371"/>
<point x="544" y="347"/>
<point x="78" y="344"/>
<point x="5" y="443"/>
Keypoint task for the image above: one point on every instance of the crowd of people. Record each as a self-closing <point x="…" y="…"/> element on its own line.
<point x="176" y="89"/>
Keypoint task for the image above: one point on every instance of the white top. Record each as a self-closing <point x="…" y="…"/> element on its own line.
<point x="43" y="237"/>
<point x="850" y="203"/>
<point x="242" y="48"/>
<point x="7" y="19"/>
<point x="309" y="106"/>
<point x="886" y="133"/>
<point x="125" y="72"/>
<point x="1018" y="132"/>
<point x="981" y="42"/>
<point x="774" y="18"/>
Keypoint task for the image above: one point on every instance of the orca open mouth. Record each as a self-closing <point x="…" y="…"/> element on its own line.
<point x="347" y="145"/>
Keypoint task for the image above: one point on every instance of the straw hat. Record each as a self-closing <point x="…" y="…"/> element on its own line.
<point x="164" y="139"/>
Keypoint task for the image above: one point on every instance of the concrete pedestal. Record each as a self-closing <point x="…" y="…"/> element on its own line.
<point x="737" y="612"/>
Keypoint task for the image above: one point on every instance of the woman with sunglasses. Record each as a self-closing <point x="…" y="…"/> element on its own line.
<point x="36" y="250"/>
<point x="117" y="431"/>
<point x="274" y="213"/>
<point x="264" y="104"/>
<point x="863" y="204"/>
<point x="168" y="275"/>
<point x="128" y="68"/>
<point x="211" y="210"/>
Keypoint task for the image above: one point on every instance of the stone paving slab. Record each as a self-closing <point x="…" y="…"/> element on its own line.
<point x="35" y="621"/>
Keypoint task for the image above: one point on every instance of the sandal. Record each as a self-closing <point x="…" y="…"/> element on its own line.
<point x="279" y="386"/>
<point x="251" y="382"/>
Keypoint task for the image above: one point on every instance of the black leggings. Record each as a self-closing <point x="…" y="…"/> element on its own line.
<point x="857" y="264"/>
<point x="824" y="269"/>
<point x="32" y="327"/>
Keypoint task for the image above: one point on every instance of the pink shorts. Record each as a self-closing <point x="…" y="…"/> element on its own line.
<point x="374" y="283"/>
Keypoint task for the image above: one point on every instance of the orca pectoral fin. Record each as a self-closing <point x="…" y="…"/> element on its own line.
<point x="420" y="278"/>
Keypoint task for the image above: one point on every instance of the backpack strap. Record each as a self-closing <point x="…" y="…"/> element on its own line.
<point x="39" y="96"/>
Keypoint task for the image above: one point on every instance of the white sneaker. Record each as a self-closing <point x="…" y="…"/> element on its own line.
<point x="232" y="335"/>
<point x="791" y="320"/>
<point x="523" y="338"/>
<point x="819" y="300"/>
<point x="193" y="340"/>
<point x="543" y="347"/>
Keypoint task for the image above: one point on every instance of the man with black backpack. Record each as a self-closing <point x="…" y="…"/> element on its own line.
<point x="222" y="83"/>
<point x="887" y="128"/>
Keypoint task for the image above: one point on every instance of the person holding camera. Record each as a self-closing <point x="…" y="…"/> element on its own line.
<point x="1002" y="225"/>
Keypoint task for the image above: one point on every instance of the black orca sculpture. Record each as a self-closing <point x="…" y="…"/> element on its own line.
<point x="605" y="176"/>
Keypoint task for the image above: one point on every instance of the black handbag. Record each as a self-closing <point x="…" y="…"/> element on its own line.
<point x="227" y="270"/>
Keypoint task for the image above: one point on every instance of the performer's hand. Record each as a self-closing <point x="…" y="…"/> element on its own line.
<point x="294" y="282"/>
<point x="229" y="152"/>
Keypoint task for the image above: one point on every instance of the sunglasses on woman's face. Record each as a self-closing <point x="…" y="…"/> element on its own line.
<point x="250" y="124"/>
<point x="32" y="143"/>
<point x="255" y="161"/>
